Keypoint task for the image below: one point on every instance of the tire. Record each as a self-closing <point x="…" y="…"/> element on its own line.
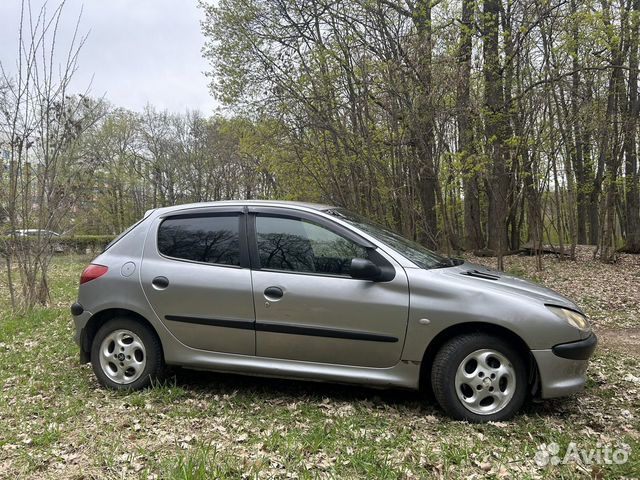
<point x="472" y="377"/>
<point x="126" y="355"/>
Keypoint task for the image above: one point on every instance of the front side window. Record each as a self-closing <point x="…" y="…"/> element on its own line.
<point x="208" y="239"/>
<point x="297" y="245"/>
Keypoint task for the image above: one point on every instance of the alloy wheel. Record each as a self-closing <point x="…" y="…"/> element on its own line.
<point x="485" y="381"/>
<point x="122" y="356"/>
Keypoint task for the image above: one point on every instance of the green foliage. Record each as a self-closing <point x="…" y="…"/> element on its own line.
<point x="358" y="103"/>
<point x="82" y="243"/>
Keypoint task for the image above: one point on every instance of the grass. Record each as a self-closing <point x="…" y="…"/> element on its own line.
<point x="58" y="423"/>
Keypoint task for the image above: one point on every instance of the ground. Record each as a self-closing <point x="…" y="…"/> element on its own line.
<point x="56" y="422"/>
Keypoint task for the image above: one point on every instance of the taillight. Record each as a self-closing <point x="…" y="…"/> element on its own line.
<point x="92" y="272"/>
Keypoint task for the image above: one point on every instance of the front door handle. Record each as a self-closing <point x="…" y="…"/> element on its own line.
<point x="273" y="293"/>
<point x="160" y="283"/>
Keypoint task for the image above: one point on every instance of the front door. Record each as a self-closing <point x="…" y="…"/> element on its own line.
<point x="195" y="275"/>
<point x="309" y="308"/>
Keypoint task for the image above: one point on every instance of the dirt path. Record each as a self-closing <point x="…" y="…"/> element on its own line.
<point x="623" y="339"/>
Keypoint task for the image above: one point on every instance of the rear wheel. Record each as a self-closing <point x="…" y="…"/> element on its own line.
<point x="126" y="354"/>
<point x="479" y="378"/>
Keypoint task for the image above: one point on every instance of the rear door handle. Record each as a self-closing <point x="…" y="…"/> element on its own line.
<point x="273" y="293"/>
<point x="160" y="283"/>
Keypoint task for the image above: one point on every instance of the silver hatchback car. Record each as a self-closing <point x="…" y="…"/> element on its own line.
<point x="309" y="291"/>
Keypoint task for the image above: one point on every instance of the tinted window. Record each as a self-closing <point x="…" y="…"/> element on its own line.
<point x="201" y="239"/>
<point x="301" y="246"/>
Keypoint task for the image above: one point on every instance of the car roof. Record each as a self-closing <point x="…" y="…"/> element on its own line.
<point x="275" y="203"/>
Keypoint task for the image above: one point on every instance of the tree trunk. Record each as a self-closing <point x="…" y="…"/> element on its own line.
<point x="610" y="148"/>
<point x="423" y="129"/>
<point x="577" y="158"/>
<point x="632" y="176"/>
<point x="472" y="222"/>
<point x="495" y="129"/>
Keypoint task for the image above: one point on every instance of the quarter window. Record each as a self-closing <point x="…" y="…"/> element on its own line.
<point x="209" y="239"/>
<point x="297" y="245"/>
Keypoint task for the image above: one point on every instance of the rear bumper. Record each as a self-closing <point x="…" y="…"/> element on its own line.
<point x="563" y="368"/>
<point x="80" y="319"/>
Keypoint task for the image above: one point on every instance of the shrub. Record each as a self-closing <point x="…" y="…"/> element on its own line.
<point x="68" y="244"/>
<point x="84" y="243"/>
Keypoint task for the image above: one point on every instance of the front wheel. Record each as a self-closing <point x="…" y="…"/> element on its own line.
<point x="126" y="354"/>
<point x="479" y="378"/>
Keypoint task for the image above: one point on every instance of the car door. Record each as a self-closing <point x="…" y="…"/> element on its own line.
<point x="195" y="275"/>
<point x="308" y="307"/>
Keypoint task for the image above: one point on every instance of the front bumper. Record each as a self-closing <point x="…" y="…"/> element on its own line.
<point x="580" y="350"/>
<point x="563" y="368"/>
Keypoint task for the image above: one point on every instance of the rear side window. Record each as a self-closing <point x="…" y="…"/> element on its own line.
<point x="208" y="239"/>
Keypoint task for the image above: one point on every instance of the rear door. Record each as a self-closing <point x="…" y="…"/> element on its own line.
<point x="195" y="275"/>
<point x="308" y="307"/>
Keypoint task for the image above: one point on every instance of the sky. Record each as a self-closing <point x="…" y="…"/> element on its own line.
<point x="136" y="51"/>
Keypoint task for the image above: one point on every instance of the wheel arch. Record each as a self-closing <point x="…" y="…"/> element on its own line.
<point x="98" y="319"/>
<point x="477" y="327"/>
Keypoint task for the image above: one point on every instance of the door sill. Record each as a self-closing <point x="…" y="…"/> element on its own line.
<point x="402" y="375"/>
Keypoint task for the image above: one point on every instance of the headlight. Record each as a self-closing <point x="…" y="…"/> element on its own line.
<point x="573" y="318"/>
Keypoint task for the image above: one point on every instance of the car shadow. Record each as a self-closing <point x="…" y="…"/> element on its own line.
<point x="294" y="390"/>
<point x="554" y="408"/>
<point x="284" y="391"/>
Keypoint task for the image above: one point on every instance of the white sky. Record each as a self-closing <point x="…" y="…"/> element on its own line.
<point x="137" y="51"/>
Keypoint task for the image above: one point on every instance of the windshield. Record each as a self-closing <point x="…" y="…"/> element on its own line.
<point x="421" y="256"/>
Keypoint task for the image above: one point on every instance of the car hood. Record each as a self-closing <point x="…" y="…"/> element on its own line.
<point x="509" y="284"/>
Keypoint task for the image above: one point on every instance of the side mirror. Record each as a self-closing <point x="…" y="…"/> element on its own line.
<point x="364" y="269"/>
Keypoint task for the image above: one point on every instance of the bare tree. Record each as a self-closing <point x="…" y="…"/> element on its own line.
<point x="40" y="125"/>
